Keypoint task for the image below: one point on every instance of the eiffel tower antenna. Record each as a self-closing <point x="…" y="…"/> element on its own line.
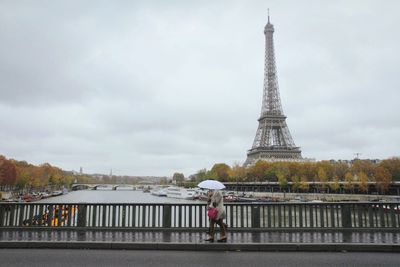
<point x="273" y="141"/>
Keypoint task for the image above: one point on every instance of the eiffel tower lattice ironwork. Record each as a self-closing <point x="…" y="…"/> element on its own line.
<point x="273" y="141"/>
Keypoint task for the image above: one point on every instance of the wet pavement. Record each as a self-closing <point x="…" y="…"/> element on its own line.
<point x="197" y="237"/>
<point x="106" y="258"/>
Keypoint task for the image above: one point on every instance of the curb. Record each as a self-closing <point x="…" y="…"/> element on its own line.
<point x="315" y="247"/>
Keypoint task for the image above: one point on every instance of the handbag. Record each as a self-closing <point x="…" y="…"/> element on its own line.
<point x="212" y="213"/>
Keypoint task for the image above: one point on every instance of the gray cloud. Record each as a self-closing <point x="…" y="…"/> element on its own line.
<point x="149" y="88"/>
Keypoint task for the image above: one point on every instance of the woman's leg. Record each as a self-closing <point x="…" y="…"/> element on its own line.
<point x="223" y="228"/>
<point x="211" y="230"/>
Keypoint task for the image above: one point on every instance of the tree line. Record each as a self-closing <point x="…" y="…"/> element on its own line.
<point x="20" y="175"/>
<point x="23" y="176"/>
<point x="327" y="173"/>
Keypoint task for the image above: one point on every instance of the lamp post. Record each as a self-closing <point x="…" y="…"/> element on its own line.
<point x="237" y="185"/>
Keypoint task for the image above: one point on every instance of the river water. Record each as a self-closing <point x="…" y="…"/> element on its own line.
<point x="112" y="196"/>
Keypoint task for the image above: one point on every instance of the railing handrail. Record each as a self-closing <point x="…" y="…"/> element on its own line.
<point x="250" y="203"/>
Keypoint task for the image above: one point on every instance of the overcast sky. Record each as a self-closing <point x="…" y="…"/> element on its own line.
<point x="157" y="87"/>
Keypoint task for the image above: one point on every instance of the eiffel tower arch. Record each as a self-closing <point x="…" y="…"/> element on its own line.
<point x="273" y="141"/>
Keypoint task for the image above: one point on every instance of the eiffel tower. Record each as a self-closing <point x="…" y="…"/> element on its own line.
<point x="273" y="141"/>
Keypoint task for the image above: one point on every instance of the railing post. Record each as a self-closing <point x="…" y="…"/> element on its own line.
<point x="167" y="216"/>
<point x="49" y="212"/>
<point x="123" y="215"/>
<point x="2" y="211"/>
<point x="255" y="216"/>
<point x="81" y="215"/>
<point x="12" y="214"/>
<point x="346" y="216"/>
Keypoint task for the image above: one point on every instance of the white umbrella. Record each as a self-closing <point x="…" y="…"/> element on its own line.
<point x="211" y="184"/>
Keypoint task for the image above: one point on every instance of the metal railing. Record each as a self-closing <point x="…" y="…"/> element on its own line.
<point x="249" y="216"/>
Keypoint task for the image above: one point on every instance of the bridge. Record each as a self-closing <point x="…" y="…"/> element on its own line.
<point x="347" y="226"/>
<point x="96" y="186"/>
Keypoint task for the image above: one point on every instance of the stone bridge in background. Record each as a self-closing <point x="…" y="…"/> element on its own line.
<point x="97" y="186"/>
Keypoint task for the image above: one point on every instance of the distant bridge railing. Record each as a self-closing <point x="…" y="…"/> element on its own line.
<point x="248" y="216"/>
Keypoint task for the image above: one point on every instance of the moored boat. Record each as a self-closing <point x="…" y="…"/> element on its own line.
<point x="56" y="193"/>
<point x="179" y="192"/>
<point x="159" y="191"/>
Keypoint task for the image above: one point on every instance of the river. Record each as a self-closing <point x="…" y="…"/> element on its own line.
<point x="112" y="196"/>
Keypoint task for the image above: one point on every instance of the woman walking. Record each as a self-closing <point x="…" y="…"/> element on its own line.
<point x="216" y="202"/>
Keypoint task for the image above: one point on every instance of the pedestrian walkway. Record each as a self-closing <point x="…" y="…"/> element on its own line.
<point x="194" y="240"/>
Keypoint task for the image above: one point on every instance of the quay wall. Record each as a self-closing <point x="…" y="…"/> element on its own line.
<point x="321" y="196"/>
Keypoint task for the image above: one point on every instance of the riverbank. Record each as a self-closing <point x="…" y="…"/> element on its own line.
<point x="30" y="197"/>
<point x="304" y="197"/>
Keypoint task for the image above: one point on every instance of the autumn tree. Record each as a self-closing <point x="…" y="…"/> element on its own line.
<point x="322" y="178"/>
<point x="295" y="183"/>
<point x="363" y="182"/>
<point x="45" y="171"/>
<point x="304" y="185"/>
<point x="365" y="166"/>
<point x="282" y="167"/>
<point x="340" y="169"/>
<point x="293" y="169"/>
<point x="271" y="175"/>
<point x="238" y="173"/>
<point x="55" y="179"/>
<point x="22" y="180"/>
<point x="219" y="171"/>
<point x="258" y="171"/>
<point x="309" y="171"/>
<point x="67" y="179"/>
<point x="348" y="182"/>
<point x="178" y="177"/>
<point x="83" y="179"/>
<point x="382" y="179"/>
<point x="8" y="172"/>
<point x="393" y="166"/>
<point x="334" y="185"/>
<point x="327" y="168"/>
<point x="282" y="180"/>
